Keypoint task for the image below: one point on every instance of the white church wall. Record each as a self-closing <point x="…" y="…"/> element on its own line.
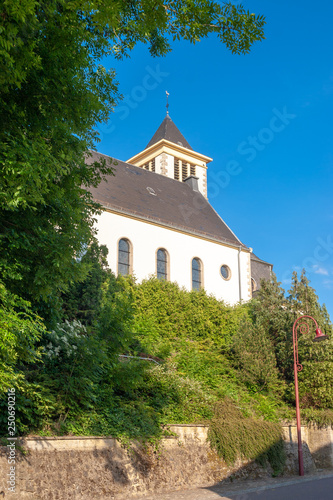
<point x="146" y="238"/>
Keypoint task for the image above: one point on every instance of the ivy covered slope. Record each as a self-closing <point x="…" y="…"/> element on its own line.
<point x="243" y="352"/>
<point x="86" y="375"/>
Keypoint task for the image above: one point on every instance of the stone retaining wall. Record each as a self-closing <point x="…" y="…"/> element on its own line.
<point x="319" y="442"/>
<point x="100" y="468"/>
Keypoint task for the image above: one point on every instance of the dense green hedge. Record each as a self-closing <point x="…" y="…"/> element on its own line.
<point x="165" y="312"/>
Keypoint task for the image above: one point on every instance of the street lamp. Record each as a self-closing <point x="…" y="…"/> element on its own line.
<point x="304" y="328"/>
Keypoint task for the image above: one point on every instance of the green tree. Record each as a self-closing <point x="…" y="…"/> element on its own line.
<point x="74" y="365"/>
<point x="316" y="378"/>
<point x="61" y="373"/>
<point x="20" y="330"/>
<point x="270" y="311"/>
<point x="254" y="356"/>
<point x="83" y="299"/>
<point x="53" y="91"/>
<point x="302" y="298"/>
<point x="116" y="316"/>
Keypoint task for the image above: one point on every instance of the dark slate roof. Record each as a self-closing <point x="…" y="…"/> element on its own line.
<point x="168" y="130"/>
<point x="257" y="259"/>
<point x="157" y="198"/>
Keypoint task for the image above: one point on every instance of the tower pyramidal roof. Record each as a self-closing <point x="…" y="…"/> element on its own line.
<point x="168" y="131"/>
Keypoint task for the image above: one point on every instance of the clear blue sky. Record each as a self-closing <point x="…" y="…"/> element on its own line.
<point x="264" y="118"/>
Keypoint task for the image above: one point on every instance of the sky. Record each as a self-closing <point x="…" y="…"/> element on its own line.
<point x="266" y="120"/>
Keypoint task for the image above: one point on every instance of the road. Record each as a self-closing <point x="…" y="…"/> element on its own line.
<point x="317" y="487"/>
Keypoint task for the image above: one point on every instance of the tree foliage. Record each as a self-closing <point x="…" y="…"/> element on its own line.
<point x="271" y="313"/>
<point x="316" y="379"/>
<point x="82" y="301"/>
<point x="116" y="27"/>
<point x="20" y="329"/>
<point x="254" y="356"/>
<point x="276" y="314"/>
<point x="53" y="91"/>
<point x="52" y="94"/>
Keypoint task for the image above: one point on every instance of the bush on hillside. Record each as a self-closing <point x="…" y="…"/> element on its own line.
<point x="235" y="436"/>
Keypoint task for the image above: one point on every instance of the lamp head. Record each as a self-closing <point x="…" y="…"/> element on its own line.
<point x="319" y="336"/>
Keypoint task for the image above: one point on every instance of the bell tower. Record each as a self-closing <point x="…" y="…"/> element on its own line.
<point x="168" y="153"/>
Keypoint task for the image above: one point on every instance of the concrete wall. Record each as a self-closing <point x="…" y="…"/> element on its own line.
<point x="100" y="468"/>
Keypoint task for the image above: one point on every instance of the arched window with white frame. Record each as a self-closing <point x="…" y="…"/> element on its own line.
<point x="162" y="264"/>
<point x="124" y="256"/>
<point x="196" y="274"/>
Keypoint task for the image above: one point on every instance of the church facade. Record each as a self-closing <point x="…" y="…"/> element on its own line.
<point x="157" y="221"/>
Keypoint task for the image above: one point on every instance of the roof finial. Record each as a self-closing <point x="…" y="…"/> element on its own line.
<point x="167" y="102"/>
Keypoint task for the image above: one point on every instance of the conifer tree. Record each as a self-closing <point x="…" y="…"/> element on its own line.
<point x="254" y="356"/>
<point x="269" y="311"/>
<point x="316" y="378"/>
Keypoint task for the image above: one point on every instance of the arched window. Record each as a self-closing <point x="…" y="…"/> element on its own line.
<point x="162" y="264"/>
<point x="124" y="257"/>
<point x="253" y="285"/>
<point x="196" y="274"/>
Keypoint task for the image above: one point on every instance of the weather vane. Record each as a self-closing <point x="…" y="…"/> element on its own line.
<point x="167" y="102"/>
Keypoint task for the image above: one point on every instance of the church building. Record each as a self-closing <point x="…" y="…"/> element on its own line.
<point x="157" y="221"/>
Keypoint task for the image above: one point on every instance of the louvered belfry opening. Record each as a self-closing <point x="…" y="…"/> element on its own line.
<point x="176" y="168"/>
<point x="184" y="170"/>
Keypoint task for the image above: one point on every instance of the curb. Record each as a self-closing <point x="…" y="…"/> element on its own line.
<point x="220" y="490"/>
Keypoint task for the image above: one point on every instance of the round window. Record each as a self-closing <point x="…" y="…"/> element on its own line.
<point x="225" y="272"/>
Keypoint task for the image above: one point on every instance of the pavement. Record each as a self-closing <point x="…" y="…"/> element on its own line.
<point x="317" y="486"/>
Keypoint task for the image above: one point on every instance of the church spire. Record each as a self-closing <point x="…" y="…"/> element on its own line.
<point x="168" y="130"/>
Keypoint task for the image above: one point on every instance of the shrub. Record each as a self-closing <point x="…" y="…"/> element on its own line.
<point x="235" y="436"/>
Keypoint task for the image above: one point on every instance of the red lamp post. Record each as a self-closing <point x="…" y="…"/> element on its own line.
<point x="304" y="328"/>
